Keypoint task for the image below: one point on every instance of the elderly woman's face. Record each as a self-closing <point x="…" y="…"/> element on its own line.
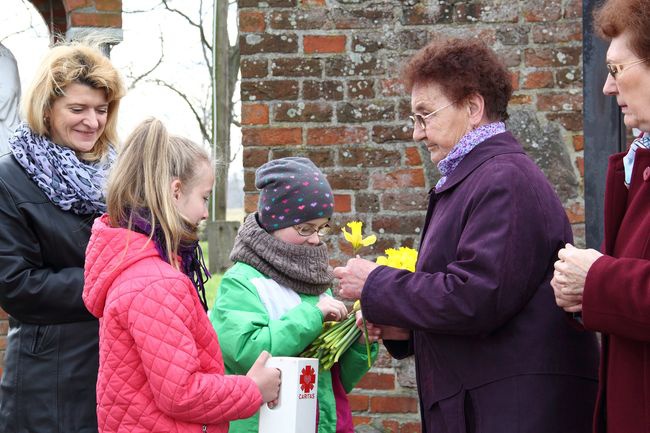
<point x="442" y="129"/>
<point x="77" y="119"/>
<point x="631" y="85"/>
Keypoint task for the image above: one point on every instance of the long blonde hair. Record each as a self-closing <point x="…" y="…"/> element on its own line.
<point x="74" y="62"/>
<point x="150" y="160"/>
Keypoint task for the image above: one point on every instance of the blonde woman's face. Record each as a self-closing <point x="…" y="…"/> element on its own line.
<point x="192" y="201"/>
<point x="78" y="118"/>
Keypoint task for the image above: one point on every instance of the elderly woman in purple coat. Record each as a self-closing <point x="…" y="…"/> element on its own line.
<point x="493" y="353"/>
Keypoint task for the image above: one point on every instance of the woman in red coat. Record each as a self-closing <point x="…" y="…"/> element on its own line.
<point x="612" y="290"/>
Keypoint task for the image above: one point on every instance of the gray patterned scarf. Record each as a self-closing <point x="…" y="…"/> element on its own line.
<point x="304" y="269"/>
<point x="70" y="183"/>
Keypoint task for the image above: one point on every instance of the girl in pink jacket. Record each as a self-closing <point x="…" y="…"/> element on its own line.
<point x="160" y="366"/>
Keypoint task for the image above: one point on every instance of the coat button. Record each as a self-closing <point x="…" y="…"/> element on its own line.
<point x="646" y="174"/>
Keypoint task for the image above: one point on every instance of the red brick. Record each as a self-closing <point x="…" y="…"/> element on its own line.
<point x="337" y="135"/>
<point x="413" y="157"/>
<point x="254" y="68"/>
<point x="71" y="5"/>
<point x="368" y="157"/>
<point x="377" y="381"/>
<point x="410" y="427"/>
<point x="575" y="213"/>
<point x="254" y="114"/>
<point x="399" y="225"/>
<point x="543" y="10"/>
<point x="113" y="20"/>
<point x="395" y="404"/>
<point x="557" y="33"/>
<point x="571" y="121"/>
<point x="266" y="90"/>
<point x="109" y="5"/>
<point x="514" y="80"/>
<point x="392" y="87"/>
<point x="255" y="43"/>
<point x="251" y="21"/>
<point x="390" y="426"/>
<point x="348" y="179"/>
<point x="342" y="203"/>
<point x="580" y="163"/>
<point x="308" y="3"/>
<point x="250" y="202"/>
<point x="324" y="44"/>
<point x="404" y="201"/>
<point x="296" y="67"/>
<point x="271" y="136"/>
<point x="255" y="156"/>
<point x="578" y="142"/>
<point x="538" y="80"/>
<point x="559" y="102"/>
<point x="383" y="134"/>
<point x="521" y="99"/>
<point x="358" y="403"/>
<point x="302" y="112"/>
<point x="410" y="177"/>
<point x="360" y="420"/>
<point x="559" y="56"/>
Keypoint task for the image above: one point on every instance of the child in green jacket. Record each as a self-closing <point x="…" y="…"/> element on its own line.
<point x="277" y="294"/>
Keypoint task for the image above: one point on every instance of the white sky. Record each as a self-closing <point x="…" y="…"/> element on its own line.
<point x="137" y="53"/>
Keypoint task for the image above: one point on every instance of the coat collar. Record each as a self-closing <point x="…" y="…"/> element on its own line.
<point x="499" y="144"/>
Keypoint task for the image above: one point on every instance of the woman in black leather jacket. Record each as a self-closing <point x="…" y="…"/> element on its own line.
<point x="51" y="189"/>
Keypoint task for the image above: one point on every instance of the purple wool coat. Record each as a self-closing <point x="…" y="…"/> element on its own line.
<point x="493" y="352"/>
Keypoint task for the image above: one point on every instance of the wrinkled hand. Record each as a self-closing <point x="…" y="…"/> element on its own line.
<point x="267" y="379"/>
<point x="374" y="332"/>
<point x="353" y="276"/>
<point x="332" y="309"/>
<point x="570" y="274"/>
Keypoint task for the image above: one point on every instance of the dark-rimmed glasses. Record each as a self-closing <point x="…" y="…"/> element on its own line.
<point x="307" y="230"/>
<point x="421" y="121"/>
<point x="615" y="69"/>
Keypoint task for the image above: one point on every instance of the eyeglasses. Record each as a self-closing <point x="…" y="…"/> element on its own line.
<point x="421" y="120"/>
<point x="307" y="230"/>
<point x="615" y="69"/>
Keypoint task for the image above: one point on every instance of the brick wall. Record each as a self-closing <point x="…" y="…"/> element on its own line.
<point x="320" y="79"/>
<point x="69" y="14"/>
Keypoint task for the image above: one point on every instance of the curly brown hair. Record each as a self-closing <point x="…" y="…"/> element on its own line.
<point x="614" y="17"/>
<point x="463" y="67"/>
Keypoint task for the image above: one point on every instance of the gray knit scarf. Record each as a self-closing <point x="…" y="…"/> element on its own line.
<point x="305" y="269"/>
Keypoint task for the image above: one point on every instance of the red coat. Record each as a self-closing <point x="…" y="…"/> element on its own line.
<point x="617" y="301"/>
<point x="160" y="366"/>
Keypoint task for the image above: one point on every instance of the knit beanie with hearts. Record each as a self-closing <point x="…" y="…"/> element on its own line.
<point x="292" y="191"/>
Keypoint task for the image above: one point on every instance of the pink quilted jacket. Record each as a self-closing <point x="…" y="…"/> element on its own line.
<point x="160" y="366"/>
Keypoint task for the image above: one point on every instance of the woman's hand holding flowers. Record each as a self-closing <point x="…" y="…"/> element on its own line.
<point x="353" y="276"/>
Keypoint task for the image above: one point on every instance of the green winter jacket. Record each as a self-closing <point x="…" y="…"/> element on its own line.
<point x="243" y="316"/>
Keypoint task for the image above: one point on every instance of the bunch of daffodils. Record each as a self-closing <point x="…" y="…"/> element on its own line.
<point x="337" y="337"/>
<point x="334" y="340"/>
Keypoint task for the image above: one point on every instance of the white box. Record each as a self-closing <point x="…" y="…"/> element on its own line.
<point x="296" y="408"/>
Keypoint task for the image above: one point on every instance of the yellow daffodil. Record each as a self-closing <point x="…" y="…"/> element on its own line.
<point x="404" y="258"/>
<point x="355" y="238"/>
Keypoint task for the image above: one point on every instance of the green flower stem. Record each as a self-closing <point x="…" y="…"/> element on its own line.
<point x="365" y="334"/>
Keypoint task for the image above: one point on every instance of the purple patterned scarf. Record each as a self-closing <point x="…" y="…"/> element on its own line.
<point x="70" y="183"/>
<point x="192" y="262"/>
<point x="468" y="142"/>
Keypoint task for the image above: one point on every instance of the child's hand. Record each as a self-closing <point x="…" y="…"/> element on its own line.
<point x="332" y="309"/>
<point x="374" y="332"/>
<point x="267" y="379"/>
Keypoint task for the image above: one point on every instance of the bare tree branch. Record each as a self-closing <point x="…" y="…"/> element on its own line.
<point x="204" y="132"/>
<point x="191" y="22"/>
<point x="152" y="69"/>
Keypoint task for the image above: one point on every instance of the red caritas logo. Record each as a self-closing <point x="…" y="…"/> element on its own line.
<point x="307" y="379"/>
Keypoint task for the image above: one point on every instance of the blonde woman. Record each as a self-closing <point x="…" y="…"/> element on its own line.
<point x="51" y="189"/>
<point x="160" y="363"/>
